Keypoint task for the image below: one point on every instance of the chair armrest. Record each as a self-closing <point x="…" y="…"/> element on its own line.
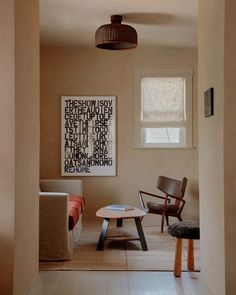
<point x="141" y="199"/>
<point x="182" y="205"/>
<point x="54" y="238"/>
<point x="141" y="193"/>
<point x="53" y="210"/>
<point x="179" y="199"/>
<point x="152" y="195"/>
<point x="53" y="194"/>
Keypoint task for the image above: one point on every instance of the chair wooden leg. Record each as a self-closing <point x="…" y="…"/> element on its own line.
<point x="167" y="220"/>
<point x="162" y="222"/>
<point x="179" y="218"/>
<point x="178" y="258"/>
<point x="190" y="260"/>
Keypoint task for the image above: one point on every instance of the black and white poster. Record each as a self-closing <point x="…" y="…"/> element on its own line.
<point x="88" y="146"/>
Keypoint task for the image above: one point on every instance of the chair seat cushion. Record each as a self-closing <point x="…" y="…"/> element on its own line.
<point x="157" y="207"/>
<point x="76" y="207"/>
<point x="185" y="230"/>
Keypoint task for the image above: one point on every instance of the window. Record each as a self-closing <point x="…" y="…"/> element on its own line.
<point x="164" y="110"/>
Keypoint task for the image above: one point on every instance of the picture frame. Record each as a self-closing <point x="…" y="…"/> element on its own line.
<point x="209" y="102"/>
<point x="88" y="136"/>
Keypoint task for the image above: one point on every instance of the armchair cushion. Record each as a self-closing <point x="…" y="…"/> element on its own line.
<point x="157" y="207"/>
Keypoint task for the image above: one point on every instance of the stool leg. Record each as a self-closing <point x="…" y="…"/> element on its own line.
<point x="178" y="258"/>
<point x="190" y="255"/>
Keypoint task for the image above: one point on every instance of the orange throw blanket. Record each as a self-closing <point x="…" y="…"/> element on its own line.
<point x="76" y="207"/>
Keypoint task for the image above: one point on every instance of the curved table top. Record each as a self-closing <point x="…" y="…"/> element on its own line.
<point x="107" y="213"/>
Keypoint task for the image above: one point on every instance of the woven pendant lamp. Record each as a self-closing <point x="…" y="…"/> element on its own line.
<point x="116" y="36"/>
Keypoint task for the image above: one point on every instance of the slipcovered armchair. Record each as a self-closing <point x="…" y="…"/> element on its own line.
<point x="173" y="202"/>
<point x="60" y="218"/>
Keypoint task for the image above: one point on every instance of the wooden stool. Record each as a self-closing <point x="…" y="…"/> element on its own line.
<point x="184" y="230"/>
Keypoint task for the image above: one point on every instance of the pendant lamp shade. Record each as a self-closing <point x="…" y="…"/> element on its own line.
<point x="116" y="36"/>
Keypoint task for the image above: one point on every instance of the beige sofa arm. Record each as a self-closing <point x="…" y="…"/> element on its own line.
<point x="54" y="194"/>
<point x="72" y="187"/>
<point x="54" y="236"/>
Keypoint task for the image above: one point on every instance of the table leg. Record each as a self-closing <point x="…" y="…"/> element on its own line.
<point x="102" y="237"/>
<point x="141" y="234"/>
<point x="119" y="222"/>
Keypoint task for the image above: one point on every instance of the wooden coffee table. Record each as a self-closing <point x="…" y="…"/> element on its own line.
<point x="107" y="215"/>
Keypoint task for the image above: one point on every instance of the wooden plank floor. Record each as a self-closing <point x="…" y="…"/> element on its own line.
<point x="117" y="283"/>
<point x="115" y="258"/>
<point x="127" y="256"/>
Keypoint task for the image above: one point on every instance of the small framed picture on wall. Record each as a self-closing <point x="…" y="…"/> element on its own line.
<point x="209" y="102"/>
<point x="88" y="135"/>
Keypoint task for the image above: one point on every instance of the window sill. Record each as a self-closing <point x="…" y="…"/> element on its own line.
<point x="165" y="148"/>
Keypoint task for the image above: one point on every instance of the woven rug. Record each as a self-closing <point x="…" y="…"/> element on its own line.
<point x="120" y="255"/>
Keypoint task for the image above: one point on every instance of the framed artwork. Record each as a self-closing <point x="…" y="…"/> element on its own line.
<point x="88" y="136"/>
<point x="209" y="102"/>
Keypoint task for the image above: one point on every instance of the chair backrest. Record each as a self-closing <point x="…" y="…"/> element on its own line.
<point x="172" y="187"/>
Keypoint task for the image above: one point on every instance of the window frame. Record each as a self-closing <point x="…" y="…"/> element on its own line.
<point x="166" y="144"/>
<point x="187" y="74"/>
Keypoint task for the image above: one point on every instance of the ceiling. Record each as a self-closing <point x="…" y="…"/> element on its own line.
<point x="158" y="22"/>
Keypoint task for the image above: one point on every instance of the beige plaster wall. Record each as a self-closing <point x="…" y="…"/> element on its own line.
<point x="7" y="148"/>
<point x="27" y="143"/>
<point x="230" y="146"/>
<point x="211" y="145"/>
<point x="66" y="71"/>
<point x="19" y="151"/>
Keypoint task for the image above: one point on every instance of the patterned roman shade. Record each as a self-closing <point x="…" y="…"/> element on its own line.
<point x="163" y="101"/>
